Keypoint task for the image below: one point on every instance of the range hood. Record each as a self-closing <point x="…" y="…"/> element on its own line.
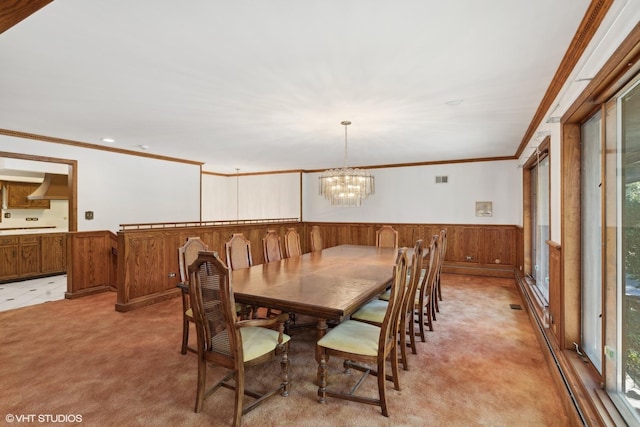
<point x="54" y="187"/>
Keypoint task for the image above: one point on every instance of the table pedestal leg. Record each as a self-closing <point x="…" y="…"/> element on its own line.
<point x="321" y="330"/>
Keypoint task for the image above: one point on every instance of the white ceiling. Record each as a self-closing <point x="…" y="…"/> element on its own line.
<point x="264" y="85"/>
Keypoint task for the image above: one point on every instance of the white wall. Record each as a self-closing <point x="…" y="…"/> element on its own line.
<point x="55" y="216"/>
<point x="250" y="197"/>
<point x="405" y="195"/>
<point x="621" y="18"/>
<point x="410" y="195"/>
<point x="121" y="188"/>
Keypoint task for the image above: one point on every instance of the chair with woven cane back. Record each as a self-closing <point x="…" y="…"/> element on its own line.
<point x="387" y="237"/>
<point x="228" y="342"/>
<point x="238" y="254"/>
<point x="315" y="238"/>
<point x="292" y="243"/>
<point x="271" y="246"/>
<point x="187" y="253"/>
<point x="238" y="251"/>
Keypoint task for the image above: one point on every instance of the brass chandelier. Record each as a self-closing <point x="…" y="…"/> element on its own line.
<point x="346" y="187"/>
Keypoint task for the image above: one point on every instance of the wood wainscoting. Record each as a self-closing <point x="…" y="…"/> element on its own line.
<point x="91" y="265"/>
<point x="147" y="262"/>
<point x="484" y="250"/>
<point x="148" y="270"/>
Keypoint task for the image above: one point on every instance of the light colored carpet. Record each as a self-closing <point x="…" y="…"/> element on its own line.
<point x="481" y="366"/>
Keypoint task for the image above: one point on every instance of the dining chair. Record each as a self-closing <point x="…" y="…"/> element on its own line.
<point x="187" y="253"/>
<point x="230" y="343"/>
<point x="271" y="246"/>
<point x="373" y="312"/>
<point x="366" y="347"/>
<point x="292" y="243"/>
<point x="272" y="253"/>
<point x="238" y="251"/>
<point x="387" y="237"/>
<point x="315" y="239"/>
<point x="425" y="296"/>
<point x="443" y="251"/>
<point x="238" y="254"/>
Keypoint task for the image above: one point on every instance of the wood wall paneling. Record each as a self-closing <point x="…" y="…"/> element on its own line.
<point x="463" y="244"/>
<point x="571" y="242"/>
<point x="146" y="269"/>
<point x="498" y="246"/>
<point x="555" y="293"/>
<point x="148" y="259"/>
<point x="89" y="263"/>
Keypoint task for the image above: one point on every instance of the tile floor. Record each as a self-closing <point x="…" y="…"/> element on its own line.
<point x="31" y="292"/>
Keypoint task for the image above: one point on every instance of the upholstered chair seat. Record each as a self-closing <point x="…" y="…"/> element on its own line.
<point x="353" y="337"/>
<point x="256" y="342"/>
<point x="372" y="312"/>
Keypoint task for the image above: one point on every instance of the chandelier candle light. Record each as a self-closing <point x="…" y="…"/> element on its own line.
<point x="346" y="187"/>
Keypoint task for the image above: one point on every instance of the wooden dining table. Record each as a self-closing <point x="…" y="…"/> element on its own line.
<point x="329" y="284"/>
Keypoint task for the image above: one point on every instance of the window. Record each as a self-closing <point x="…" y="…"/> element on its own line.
<point x="622" y="252"/>
<point x="537" y="218"/>
<point x="540" y="225"/>
<point x="591" y="239"/>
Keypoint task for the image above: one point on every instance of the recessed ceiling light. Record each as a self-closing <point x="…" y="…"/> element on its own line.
<point x="454" y="102"/>
<point x="143" y="147"/>
<point x="108" y="140"/>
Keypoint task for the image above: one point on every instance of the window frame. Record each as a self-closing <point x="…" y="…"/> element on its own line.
<point x="541" y="303"/>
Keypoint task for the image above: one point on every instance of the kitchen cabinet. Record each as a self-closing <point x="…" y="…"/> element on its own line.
<point x="32" y="255"/>
<point x="17" y="193"/>
<point x="8" y="257"/>
<point x="54" y="253"/>
<point x="29" y="255"/>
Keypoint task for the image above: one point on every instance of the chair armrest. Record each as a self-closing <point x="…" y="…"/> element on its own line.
<point x="183" y="286"/>
<point x="264" y="323"/>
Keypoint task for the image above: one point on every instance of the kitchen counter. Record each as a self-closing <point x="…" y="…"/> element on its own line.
<point x="18" y="231"/>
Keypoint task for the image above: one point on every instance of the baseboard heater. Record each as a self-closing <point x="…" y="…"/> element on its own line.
<point x="534" y="314"/>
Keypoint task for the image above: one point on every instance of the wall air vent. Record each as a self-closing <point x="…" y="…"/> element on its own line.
<point x="442" y="179"/>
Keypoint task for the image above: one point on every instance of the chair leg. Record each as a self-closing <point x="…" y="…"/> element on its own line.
<point x="403" y="343"/>
<point x="412" y="336"/>
<point x="428" y="315"/>
<point x="284" y="365"/>
<point x="237" y="415"/>
<point x="382" y="386"/>
<point x="421" y="324"/>
<point x="322" y="377"/>
<point x="185" y="335"/>
<point x="202" y="382"/>
<point x="439" y="289"/>
<point x="395" y="370"/>
<point x="434" y="303"/>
